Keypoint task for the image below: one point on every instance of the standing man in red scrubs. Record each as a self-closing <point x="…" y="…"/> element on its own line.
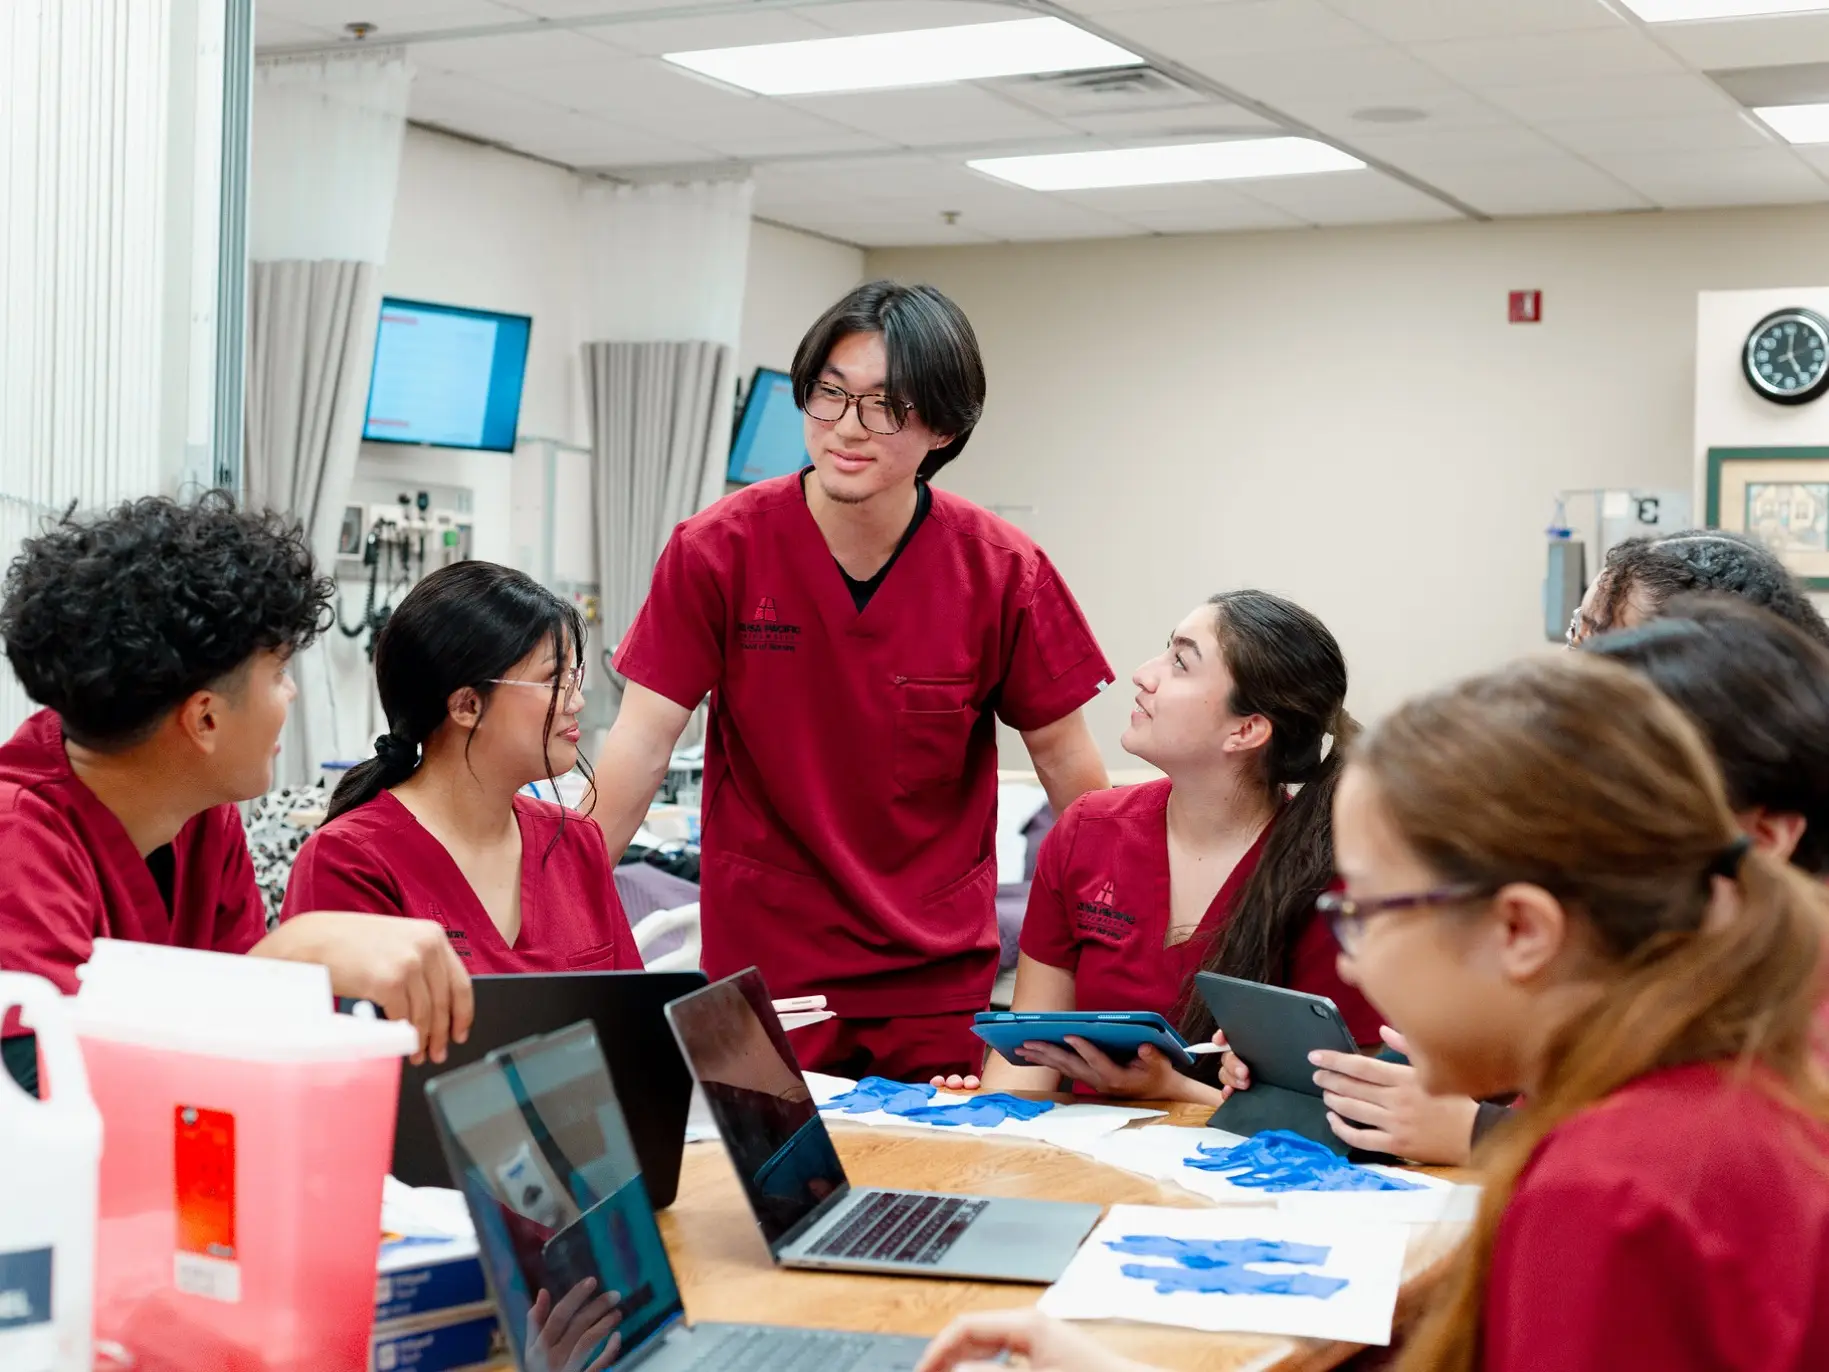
<point x="859" y="633"/>
<point x="157" y="638"/>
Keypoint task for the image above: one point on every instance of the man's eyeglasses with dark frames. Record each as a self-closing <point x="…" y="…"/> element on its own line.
<point x="880" y="414"/>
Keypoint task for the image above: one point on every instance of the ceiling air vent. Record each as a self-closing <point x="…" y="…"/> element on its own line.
<point x="1114" y="90"/>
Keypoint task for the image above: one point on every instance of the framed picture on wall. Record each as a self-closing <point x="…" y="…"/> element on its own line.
<point x="1781" y="497"/>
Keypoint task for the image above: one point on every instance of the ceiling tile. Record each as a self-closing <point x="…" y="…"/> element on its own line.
<point x="1366" y="75"/>
<point x="1334" y="114"/>
<point x="1420" y="21"/>
<point x="1224" y="217"/>
<point x="1762" y="176"/>
<point x="1817" y="157"/>
<point x="654" y="37"/>
<point x="1545" y="59"/>
<point x="930" y="115"/>
<point x="1415" y="147"/>
<point x="1244" y="26"/>
<point x="1696" y="133"/>
<point x="1047" y="217"/>
<point x="1209" y="198"/>
<point x="1215" y="119"/>
<point x="1776" y="42"/>
<point x="1559" y="185"/>
<point x="1348" y="198"/>
<point x="465" y="103"/>
<point x="588" y="9"/>
<point x="900" y="16"/>
<point x="271" y="30"/>
<point x="1670" y="95"/>
<point x="511" y="52"/>
<point x="1103" y="10"/>
<point x="606" y="146"/>
<point x="392" y="18"/>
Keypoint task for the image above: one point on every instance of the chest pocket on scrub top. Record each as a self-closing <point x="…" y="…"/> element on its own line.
<point x="934" y="717"/>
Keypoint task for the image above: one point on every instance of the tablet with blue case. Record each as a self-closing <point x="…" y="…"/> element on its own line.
<point x="1118" y="1034"/>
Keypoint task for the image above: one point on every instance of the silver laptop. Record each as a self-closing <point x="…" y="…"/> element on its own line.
<point x="573" y="1256"/>
<point x="809" y="1213"/>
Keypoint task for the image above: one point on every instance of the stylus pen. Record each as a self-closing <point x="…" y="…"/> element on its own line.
<point x="797" y="1004"/>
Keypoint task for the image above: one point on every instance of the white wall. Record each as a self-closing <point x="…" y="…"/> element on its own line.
<point x="1728" y="413"/>
<point x="1343" y="416"/>
<point x="486" y="229"/>
<point x="793" y="277"/>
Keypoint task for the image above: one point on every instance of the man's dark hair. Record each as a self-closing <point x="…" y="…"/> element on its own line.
<point x="935" y="366"/>
<point x="1759" y="690"/>
<point x="114" y="621"/>
<point x="1701" y="560"/>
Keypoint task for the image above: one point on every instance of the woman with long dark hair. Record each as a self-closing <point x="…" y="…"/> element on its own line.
<point x="480" y="671"/>
<point x="1216" y="867"/>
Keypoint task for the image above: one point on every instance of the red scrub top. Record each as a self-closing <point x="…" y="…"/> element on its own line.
<point x="1682" y="1224"/>
<point x="851" y="762"/>
<point x="377" y="859"/>
<point x="1099" y="908"/>
<point x="72" y="875"/>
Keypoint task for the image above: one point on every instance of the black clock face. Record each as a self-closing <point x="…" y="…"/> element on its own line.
<point x="1787" y="356"/>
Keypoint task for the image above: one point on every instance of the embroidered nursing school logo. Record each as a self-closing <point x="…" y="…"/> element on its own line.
<point x="763" y="631"/>
<point x="1100" y="917"/>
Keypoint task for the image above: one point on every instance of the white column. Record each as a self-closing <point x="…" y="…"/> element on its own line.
<point x="111" y="136"/>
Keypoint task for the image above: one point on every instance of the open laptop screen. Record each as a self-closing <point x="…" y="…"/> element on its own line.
<point x="733" y="1038"/>
<point x="538" y="1145"/>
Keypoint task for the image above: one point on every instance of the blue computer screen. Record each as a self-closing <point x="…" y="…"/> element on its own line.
<point x="771" y="439"/>
<point x="447" y="377"/>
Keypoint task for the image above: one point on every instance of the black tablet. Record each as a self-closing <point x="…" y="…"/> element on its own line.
<point x="1274" y="1029"/>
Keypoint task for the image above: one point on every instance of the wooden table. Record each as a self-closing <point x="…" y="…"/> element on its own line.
<point x="725" y="1272"/>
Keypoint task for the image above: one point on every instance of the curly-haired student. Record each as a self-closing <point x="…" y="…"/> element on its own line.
<point x="157" y="638"/>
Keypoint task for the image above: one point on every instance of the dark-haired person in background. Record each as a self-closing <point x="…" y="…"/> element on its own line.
<point x="157" y="638"/>
<point x="859" y="633"/>
<point x="1641" y="574"/>
<point x="1217" y="866"/>
<point x="480" y="671"/>
<point x="1758" y="689"/>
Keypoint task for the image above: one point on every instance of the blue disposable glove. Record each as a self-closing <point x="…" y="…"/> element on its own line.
<point x="1277" y="1160"/>
<point x="876" y="1093"/>
<point x="1220" y="1267"/>
<point x="985" y="1111"/>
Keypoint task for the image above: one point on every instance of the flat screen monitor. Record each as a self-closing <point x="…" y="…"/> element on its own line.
<point x="446" y="377"/>
<point x="771" y="440"/>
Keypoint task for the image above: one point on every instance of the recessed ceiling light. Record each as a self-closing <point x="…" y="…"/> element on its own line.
<point x="921" y="57"/>
<point x="1237" y="160"/>
<point x="1797" y="123"/>
<point x="1390" y="114"/>
<point x="1676" y="11"/>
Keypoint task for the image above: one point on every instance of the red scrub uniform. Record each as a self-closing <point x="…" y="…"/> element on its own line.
<point x="377" y="859"/>
<point x="1681" y="1224"/>
<point x="72" y="875"/>
<point x="851" y="762"/>
<point x="1099" y="908"/>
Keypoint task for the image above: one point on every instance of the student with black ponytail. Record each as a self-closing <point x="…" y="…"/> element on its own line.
<point x="1216" y="867"/>
<point x="481" y="673"/>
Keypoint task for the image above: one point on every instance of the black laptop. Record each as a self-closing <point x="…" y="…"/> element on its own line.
<point x="652" y="1081"/>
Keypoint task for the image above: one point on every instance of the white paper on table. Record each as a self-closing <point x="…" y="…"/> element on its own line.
<point x="1162" y="1152"/>
<point x="1074" y="1127"/>
<point x="1369" y="1256"/>
<point x="701" y="1125"/>
<point x="424" y="1212"/>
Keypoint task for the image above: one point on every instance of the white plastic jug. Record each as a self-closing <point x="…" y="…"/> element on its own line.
<point x="50" y="1154"/>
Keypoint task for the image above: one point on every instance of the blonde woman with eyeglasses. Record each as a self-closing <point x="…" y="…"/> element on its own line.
<point x="480" y="671"/>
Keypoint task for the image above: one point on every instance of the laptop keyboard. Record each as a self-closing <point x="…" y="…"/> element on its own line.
<point x="894" y="1226"/>
<point x="778" y="1350"/>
